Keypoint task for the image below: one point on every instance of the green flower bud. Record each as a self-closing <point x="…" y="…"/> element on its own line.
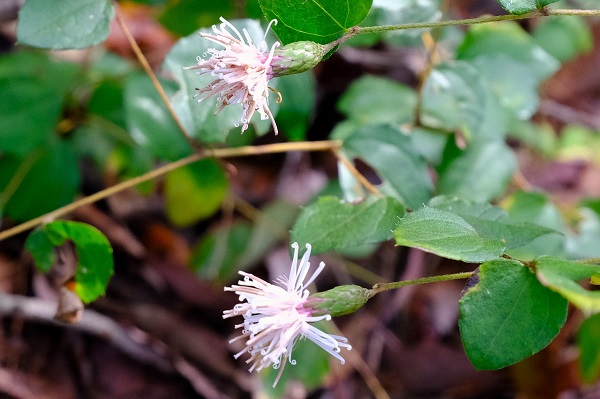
<point x="338" y="301"/>
<point x="296" y="57"/>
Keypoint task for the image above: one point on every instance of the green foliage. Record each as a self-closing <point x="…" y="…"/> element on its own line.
<point x="65" y="24"/>
<point x="194" y="192"/>
<point x="447" y="235"/>
<point x="221" y="253"/>
<point x="562" y="275"/>
<point x="28" y="82"/>
<point x="452" y="98"/>
<point x="94" y="254"/>
<point x="492" y="222"/>
<point x="524" y="6"/>
<point x="319" y="21"/>
<point x="479" y="173"/>
<point x="506" y="315"/>
<point x="564" y="37"/>
<point x="511" y="63"/>
<point x="39" y="182"/>
<point x="378" y="100"/>
<point x="149" y="122"/>
<point x="588" y="337"/>
<point x="388" y="150"/>
<point x="330" y="224"/>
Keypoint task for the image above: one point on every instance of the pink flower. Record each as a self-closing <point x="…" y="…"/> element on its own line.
<point x="242" y="72"/>
<point x="275" y="316"/>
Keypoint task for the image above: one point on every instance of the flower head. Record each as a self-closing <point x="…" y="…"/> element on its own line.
<point x="276" y="315"/>
<point x="242" y="70"/>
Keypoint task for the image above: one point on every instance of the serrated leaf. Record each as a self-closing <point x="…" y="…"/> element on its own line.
<point x="506" y="315"/>
<point x="320" y="21"/>
<point x="31" y="100"/>
<point x="532" y="207"/>
<point x="194" y="192"/>
<point x="562" y="275"/>
<point x="373" y="99"/>
<point x="445" y="234"/>
<point x="389" y="151"/>
<point x="198" y="118"/>
<point x="94" y="254"/>
<point x="330" y="224"/>
<point x="479" y="173"/>
<point x="519" y="7"/>
<point x="491" y="222"/>
<point x="66" y="24"/>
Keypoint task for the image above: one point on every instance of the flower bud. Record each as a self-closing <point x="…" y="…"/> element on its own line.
<point x="296" y="57"/>
<point x="338" y="301"/>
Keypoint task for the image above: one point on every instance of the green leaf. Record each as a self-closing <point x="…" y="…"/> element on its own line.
<point x="38" y="183"/>
<point x="223" y="252"/>
<point x="378" y="100"/>
<point x="479" y="173"/>
<point x="584" y="244"/>
<point x="330" y="224"/>
<point x="588" y="337"/>
<point x="397" y="12"/>
<point x="562" y="275"/>
<point x="32" y="99"/>
<point x="510" y="62"/>
<point x="491" y="222"/>
<point x="452" y="98"/>
<point x="320" y="21"/>
<point x="65" y="24"/>
<point x="195" y="192"/>
<point x="197" y="117"/>
<point x="295" y="111"/>
<point x="564" y="37"/>
<point x="506" y="315"/>
<point x="94" y="254"/>
<point x="445" y="234"/>
<point x="389" y="151"/>
<point x="519" y="7"/>
<point x="149" y="122"/>
<point x="531" y="207"/>
<point x="218" y="253"/>
<point x="185" y="16"/>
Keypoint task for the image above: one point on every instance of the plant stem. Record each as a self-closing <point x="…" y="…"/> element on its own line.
<point x="153" y="174"/>
<point x="377" y="288"/>
<point x="357" y="30"/>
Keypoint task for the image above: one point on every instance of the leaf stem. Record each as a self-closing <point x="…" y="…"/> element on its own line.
<point x="380" y="287"/>
<point x="153" y="174"/>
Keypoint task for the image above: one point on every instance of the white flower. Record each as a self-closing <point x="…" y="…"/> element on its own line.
<point x="275" y="317"/>
<point x="242" y="72"/>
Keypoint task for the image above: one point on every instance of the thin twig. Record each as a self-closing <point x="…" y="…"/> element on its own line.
<point x="153" y="174"/>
